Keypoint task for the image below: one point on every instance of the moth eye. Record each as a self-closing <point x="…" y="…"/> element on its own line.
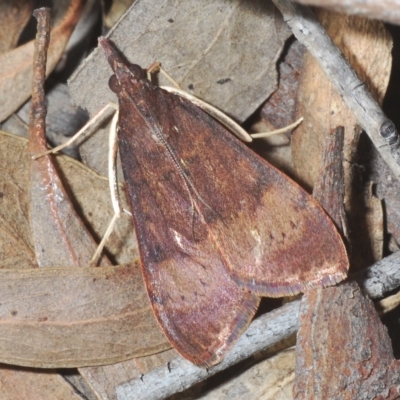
<point x="114" y="84"/>
<point x="137" y="71"/>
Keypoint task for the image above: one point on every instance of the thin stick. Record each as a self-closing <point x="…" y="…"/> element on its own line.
<point x="37" y="123"/>
<point x="386" y="10"/>
<point x="379" y="128"/>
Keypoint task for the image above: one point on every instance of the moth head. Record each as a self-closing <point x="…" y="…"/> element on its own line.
<point x="124" y="73"/>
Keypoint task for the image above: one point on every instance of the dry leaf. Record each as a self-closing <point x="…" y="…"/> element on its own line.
<point x="118" y="7"/>
<point x="16" y="65"/>
<point x="16" y="383"/>
<point x="13" y="18"/>
<point x="228" y="64"/>
<point x="93" y="205"/>
<point x="68" y="317"/>
<point x="16" y="247"/>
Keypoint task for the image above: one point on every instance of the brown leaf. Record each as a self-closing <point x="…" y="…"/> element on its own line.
<point x="13" y="18"/>
<point x="118" y="7"/>
<point x="96" y="209"/>
<point x="94" y="206"/>
<point x="350" y="357"/>
<point x="16" y="383"/>
<point x="16" y="247"/>
<point x="16" y="65"/>
<point x="68" y="317"/>
<point x="59" y="234"/>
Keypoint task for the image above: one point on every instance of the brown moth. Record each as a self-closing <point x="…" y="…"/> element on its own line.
<point x="217" y="225"/>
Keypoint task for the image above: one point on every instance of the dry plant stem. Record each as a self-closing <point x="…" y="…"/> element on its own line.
<point x="264" y="332"/>
<point x="386" y="10"/>
<point x="311" y="34"/>
<point x="38" y="109"/>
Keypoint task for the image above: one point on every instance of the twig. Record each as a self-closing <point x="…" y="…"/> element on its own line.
<point x="37" y="123"/>
<point x="311" y="34"/>
<point x="386" y="10"/>
<point x="264" y="332"/>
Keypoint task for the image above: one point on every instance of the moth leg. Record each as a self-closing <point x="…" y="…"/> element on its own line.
<point x="112" y="169"/>
<point x="113" y="182"/>
<point x="94" y="120"/>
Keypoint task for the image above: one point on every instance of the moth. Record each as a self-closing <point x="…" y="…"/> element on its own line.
<point x="217" y="225"/>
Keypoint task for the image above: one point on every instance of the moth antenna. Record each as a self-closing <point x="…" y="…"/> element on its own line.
<point x="229" y="123"/>
<point x="277" y="131"/>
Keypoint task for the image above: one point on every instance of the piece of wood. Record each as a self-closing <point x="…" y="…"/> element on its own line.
<point x="24" y="384"/>
<point x="355" y="359"/>
<point x="370" y="116"/>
